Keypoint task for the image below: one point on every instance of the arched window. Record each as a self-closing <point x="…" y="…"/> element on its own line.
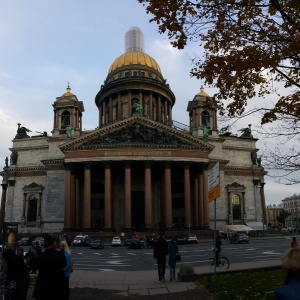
<point x="32" y="208"/>
<point x="236" y="207"/>
<point x="205" y="119"/>
<point x="65" y="119"/>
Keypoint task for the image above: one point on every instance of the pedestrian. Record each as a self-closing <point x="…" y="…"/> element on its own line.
<point x="291" y="289"/>
<point x="160" y="252"/>
<point x="294" y="242"/>
<point x="173" y="250"/>
<point x="50" y="283"/>
<point x="67" y="252"/>
<point x="16" y="271"/>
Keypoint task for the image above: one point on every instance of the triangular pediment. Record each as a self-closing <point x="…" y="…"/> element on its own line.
<point x="139" y="132"/>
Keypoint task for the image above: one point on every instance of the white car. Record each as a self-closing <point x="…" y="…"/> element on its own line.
<point x="192" y="239"/>
<point x="116" y="241"/>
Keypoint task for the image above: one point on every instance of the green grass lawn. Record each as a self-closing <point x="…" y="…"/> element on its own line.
<point x="246" y="285"/>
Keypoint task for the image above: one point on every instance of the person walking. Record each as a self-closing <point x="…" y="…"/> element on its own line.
<point x="173" y="250"/>
<point x="50" y="283"/>
<point x="64" y="247"/>
<point x="16" y="271"/>
<point x="160" y="252"/>
<point x="294" y="242"/>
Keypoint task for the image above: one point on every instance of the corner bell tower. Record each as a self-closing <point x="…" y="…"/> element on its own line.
<point x="67" y="113"/>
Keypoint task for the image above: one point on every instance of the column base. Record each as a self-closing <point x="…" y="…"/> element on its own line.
<point x="127" y="229"/>
<point x="150" y="229"/>
<point x="68" y="229"/>
<point x="86" y="230"/>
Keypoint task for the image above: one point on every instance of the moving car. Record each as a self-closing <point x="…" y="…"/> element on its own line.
<point x="82" y="240"/>
<point x="116" y="241"/>
<point x="96" y="244"/>
<point x="135" y="243"/>
<point x="191" y="239"/>
<point x="239" y="238"/>
<point x="25" y="241"/>
<point x="180" y="240"/>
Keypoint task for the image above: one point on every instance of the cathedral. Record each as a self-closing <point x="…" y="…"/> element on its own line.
<point x="139" y="169"/>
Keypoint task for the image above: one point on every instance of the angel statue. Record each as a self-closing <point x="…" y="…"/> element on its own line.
<point x="246" y="132"/>
<point x="205" y="132"/>
<point x="137" y="107"/>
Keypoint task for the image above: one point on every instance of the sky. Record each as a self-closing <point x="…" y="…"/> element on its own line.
<point x="44" y="45"/>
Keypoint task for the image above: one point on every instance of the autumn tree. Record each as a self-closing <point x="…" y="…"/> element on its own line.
<point x="249" y="47"/>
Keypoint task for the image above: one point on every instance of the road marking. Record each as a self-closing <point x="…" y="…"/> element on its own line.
<point x="97" y="253"/>
<point x="272" y="253"/>
<point x="107" y="270"/>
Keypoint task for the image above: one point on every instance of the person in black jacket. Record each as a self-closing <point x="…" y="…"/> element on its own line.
<point x="50" y="282"/>
<point x="218" y="248"/>
<point x="160" y="252"/>
<point x="16" y="270"/>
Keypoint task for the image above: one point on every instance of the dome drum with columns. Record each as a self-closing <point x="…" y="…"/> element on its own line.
<point x="138" y="169"/>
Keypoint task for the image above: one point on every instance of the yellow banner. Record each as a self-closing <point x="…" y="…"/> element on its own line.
<point x="214" y="193"/>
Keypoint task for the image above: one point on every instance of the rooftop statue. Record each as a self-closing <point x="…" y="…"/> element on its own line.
<point x="22" y="132"/>
<point x="246" y="132"/>
<point x="205" y="132"/>
<point x="137" y="107"/>
<point x="69" y="132"/>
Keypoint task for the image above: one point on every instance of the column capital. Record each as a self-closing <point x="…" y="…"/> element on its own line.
<point x="4" y="186"/>
<point x="147" y="164"/>
<point x="87" y="164"/>
<point x="68" y="166"/>
<point x="167" y="163"/>
<point x="127" y="163"/>
<point x="107" y="164"/>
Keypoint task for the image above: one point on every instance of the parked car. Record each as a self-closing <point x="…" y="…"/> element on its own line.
<point x="239" y="238"/>
<point x="96" y="244"/>
<point x="191" y="239"/>
<point x="82" y="240"/>
<point x="25" y="241"/>
<point x="180" y="240"/>
<point x="135" y="243"/>
<point x="116" y="241"/>
<point x="39" y="240"/>
<point x="127" y="241"/>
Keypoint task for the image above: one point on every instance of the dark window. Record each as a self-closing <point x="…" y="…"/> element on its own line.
<point x="205" y="119"/>
<point x="32" y="207"/>
<point x="65" y="119"/>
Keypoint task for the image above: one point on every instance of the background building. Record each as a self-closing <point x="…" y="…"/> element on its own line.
<point x="273" y="212"/>
<point x="139" y="168"/>
<point x="291" y="205"/>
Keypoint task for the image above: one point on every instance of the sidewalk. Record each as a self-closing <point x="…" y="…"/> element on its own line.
<point x="146" y="283"/>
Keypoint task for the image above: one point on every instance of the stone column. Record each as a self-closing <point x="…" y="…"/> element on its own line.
<point x="100" y="114"/>
<point x="159" y="109"/>
<point x="263" y="202"/>
<point x="67" y="215"/>
<point x="148" y="197"/>
<point x="201" y="201"/>
<point x="87" y="197"/>
<point x="104" y="113"/>
<point x="107" y="198"/>
<point x="3" y="202"/>
<point x="73" y="202"/>
<point x="168" y="197"/>
<point x="205" y="196"/>
<point x="119" y="106"/>
<point x="77" y="205"/>
<point x="141" y="100"/>
<point x="24" y="205"/>
<point x="166" y="111"/>
<point x="196" y="202"/>
<point x="110" y="109"/>
<point x="170" y="114"/>
<point x="187" y="195"/>
<point x="150" y="107"/>
<point x="127" y="187"/>
<point x="39" y="211"/>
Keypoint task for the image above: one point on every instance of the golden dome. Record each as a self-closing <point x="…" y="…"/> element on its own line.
<point x="202" y="93"/>
<point x="68" y="92"/>
<point x="134" y="58"/>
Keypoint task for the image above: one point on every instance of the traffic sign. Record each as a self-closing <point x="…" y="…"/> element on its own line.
<point x="214" y="182"/>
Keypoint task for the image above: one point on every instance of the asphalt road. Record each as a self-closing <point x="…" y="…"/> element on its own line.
<point x="125" y="259"/>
